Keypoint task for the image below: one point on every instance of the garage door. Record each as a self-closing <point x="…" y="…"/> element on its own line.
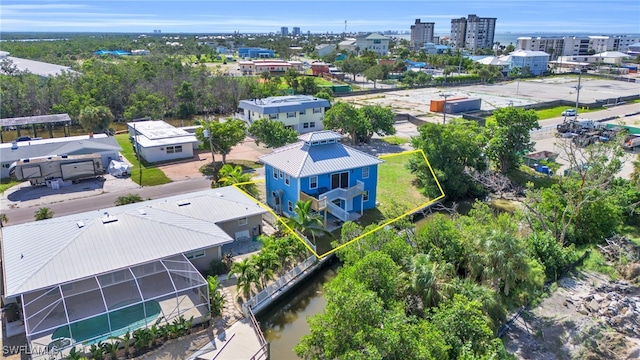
<point x="243" y="235"/>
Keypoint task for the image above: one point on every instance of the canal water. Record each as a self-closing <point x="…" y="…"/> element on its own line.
<point x="286" y="322"/>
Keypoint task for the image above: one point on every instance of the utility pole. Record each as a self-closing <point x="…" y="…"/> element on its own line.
<point x="578" y="91"/>
<point x="444" y="107"/>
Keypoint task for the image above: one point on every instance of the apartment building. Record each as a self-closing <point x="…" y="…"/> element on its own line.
<point x="303" y="113"/>
<point x="421" y="33"/>
<point x="284" y="31"/>
<point x="473" y="33"/>
<point x="576" y="45"/>
<point x="377" y="43"/>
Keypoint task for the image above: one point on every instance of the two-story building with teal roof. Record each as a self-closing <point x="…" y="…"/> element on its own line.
<point x="340" y="181"/>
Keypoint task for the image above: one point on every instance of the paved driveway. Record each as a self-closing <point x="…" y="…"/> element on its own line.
<point x="189" y="169"/>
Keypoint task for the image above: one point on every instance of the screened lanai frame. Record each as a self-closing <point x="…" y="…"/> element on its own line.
<point x="95" y="308"/>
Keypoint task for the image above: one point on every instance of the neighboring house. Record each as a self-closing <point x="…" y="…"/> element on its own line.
<point x="634" y="49"/>
<point x="435" y="49"/>
<point x="141" y="52"/>
<point x="158" y="141"/>
<point x="102" y="144"/>
<point x="112" y="52"/>
<point x="536" y="61"/>
<point x="607" y="57"/>
<point x="348" y="44"/>
<point x="340" y="181"/>
<point x="83" y="278"/>
<point x="303" y="113"/>
<point x="275" y="66"/>
<point x="318" y="68"/>
<point x="494" y="61"/>
<point x="253" y="53"/>
<point x="324" y="49"/>
<point x="36" y="67"/>
<point x="377" y="43"/>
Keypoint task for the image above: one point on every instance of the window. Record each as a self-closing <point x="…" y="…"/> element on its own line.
<point x="280" y="173"/>
<point x="178" y="148"/>
<point x="275" y="173"/>
<point x="317" y="110"/>
<point x="365" y="172"/>
<point x="6" y="166"/>
<point x="312" y="124"/>
<point x="195" y="254"/>
<point x="291" y="114"/>
<point x="242" y="221"/>
<point x="287" y="179"/>
<point x="290" y="206"/>
<point x="313" y="182"/>
<point x="365" y="195"/>
<point x="377" y="41"/>
<point x="305" y="125"/>
<point x="302" y="112"/>
<point x="273" y="116"/>
<point x="170" y="150"/>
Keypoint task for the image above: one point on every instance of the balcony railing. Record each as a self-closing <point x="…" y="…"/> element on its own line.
<point x="345" y="194"/>
<point x="316" y="204"/>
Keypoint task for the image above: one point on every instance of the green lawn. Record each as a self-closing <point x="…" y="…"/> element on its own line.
<point x="395" y="140"/>
<point x="6" y="184"/>
<point x="596" y="262"/>
<point x="396" y="185"/>
<point x="151" y="175"/>
<point x="544" y="114"/>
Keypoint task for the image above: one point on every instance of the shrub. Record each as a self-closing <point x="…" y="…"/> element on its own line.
<point x="128" y="199"/>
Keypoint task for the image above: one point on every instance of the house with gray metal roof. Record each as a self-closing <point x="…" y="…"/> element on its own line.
<point x="102" y="144"/>
<point x="36" y="67"/>
<point x="157" y="141"/>
<point x="303" y="113"/>
<point x="340" y="181"/>
<point x="83" y="278"/>
<point x="377" y="43"/>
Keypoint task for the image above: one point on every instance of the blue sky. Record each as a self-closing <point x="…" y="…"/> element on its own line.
<point x="209" y="16"/>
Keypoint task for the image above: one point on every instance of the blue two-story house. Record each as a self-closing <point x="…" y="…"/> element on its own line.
<point x="339" y="180"/>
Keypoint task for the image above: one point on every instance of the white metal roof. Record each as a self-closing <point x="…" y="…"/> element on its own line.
<point x="57" y="146"/>
<point x="159" y="133"/>
<point x="49" y="252"/>
<point x="301" y="160"/>
<point x="39" y="67"/>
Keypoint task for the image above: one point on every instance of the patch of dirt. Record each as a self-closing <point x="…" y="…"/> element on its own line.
<point x="560" y="328"/>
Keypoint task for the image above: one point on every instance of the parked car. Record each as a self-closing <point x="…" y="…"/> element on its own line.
<point x="24" y="138"/>
<point x="569" y="112"/>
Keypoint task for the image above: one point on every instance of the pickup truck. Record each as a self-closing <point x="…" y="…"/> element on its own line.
<point x="631" y="142"/>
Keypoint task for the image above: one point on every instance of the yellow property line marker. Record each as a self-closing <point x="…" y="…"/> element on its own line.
<point x="320" y="256"/>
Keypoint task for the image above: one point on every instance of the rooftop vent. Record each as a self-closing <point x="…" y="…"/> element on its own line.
<point x="183" y="202"/>
<point x="64" y="156"/>
<point x="25" y="160"/>
<point x="142" y="212"/>
<point x="80" y="224"/>
<point x="108" y="218"/>
<point x="219" y="194"/>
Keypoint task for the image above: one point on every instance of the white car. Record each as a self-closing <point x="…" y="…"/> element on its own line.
<point x="569" y="112"/>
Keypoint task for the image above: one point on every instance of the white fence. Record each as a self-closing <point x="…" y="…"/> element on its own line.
<point x="276" y="286"/>
<point x="543" y="133"/>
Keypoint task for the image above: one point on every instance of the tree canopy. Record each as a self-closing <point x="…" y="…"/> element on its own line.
<point x="360" y="123"/>
<point x="450" y="148"/>
<point x="222" y="135"/>
<point x="96" y="118"/>
<point x="509" y="136"/>
<point x="272" y="133"/>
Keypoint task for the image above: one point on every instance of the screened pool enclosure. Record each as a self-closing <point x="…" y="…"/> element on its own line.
<point x="93" y="309"/>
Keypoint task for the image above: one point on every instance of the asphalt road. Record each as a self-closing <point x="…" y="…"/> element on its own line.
<point x="106" y="200"/>
<point x="596" y="115"/>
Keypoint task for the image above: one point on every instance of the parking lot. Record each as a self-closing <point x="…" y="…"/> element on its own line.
<point x="516" y="93"/>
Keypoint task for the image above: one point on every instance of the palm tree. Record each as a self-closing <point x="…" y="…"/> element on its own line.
<point x="430" y="279"/>
<point x="246" y="273"/>
<point x="3" y="220"/>
<point x="111" y="348"/>
<point x="266" y="263"/>
<point x="306" y="221"/>
<point x="43" y="213"/>
<point x="504" y="262"/>
<point x="126" y="342"/>
<point x="231" y="175"/>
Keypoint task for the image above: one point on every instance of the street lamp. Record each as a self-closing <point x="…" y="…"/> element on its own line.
<point x="444" y="107"/>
